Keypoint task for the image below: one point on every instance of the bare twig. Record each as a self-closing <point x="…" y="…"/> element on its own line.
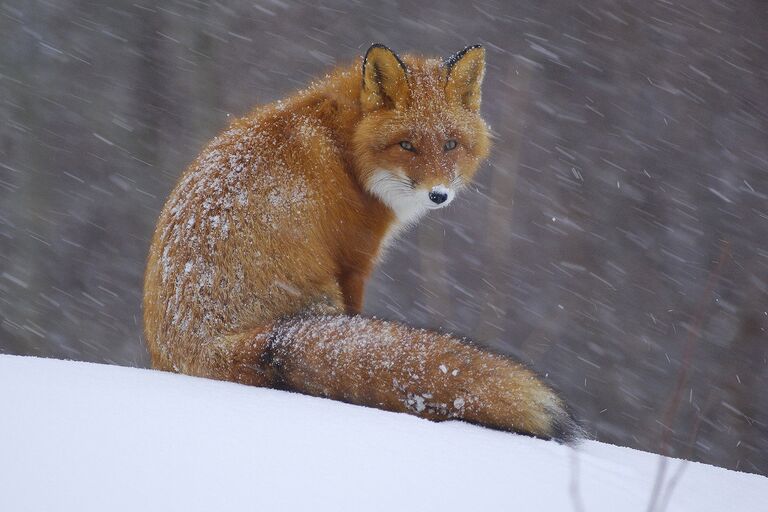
<point x="575" y="488"/>
<point x="682" y="376"/>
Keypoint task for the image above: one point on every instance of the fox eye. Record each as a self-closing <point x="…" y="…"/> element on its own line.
<point x="407" y="145"/>
<point x="450" y="144"/>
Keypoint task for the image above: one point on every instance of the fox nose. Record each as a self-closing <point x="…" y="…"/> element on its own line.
<point x="438" y="196"/>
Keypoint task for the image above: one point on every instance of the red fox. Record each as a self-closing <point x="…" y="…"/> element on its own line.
<point x="258" y="264"/>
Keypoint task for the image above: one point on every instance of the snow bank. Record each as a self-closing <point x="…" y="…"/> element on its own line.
<point x="78" y="436"/>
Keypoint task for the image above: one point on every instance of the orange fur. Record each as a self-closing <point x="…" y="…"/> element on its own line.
<point x="266" y="242"/>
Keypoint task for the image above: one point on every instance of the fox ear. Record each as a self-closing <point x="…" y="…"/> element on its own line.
<point x="385" y="79"/>
<point x="465" y="71"/>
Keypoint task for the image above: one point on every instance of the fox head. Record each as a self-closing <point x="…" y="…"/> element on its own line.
<point x="421" y="137"/>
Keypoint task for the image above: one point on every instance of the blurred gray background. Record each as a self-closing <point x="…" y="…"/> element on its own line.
<point x="615" y="241"/>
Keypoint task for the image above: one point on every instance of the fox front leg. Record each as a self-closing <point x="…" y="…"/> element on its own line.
<point x="352" y="283"/>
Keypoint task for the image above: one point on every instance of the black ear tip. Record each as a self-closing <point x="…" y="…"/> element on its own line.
<point x="375" y="46"/>
<point x="380" y="46"/>
<point x="456" y="57"/>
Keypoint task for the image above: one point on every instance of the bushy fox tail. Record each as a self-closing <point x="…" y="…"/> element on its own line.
<point x="390" y="366"/>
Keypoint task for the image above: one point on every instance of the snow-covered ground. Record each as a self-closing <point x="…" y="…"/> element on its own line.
<point x="78" y="436"/>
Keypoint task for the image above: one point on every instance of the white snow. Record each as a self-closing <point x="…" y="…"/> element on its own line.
<point x="80" y="437"/>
